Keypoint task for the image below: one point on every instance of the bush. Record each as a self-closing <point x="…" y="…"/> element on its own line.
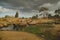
<point x="42" y="30"/>
<point x="38" y="29"/>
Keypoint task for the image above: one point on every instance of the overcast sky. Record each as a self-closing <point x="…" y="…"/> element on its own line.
<point x="26" y="7"/>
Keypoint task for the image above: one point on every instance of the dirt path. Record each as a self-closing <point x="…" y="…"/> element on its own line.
<point x="11" y="35"/>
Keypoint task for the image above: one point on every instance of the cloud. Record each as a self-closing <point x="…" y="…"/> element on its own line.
<point x="28" y="7"/>
<point x="51" y="6"/>
<point x="7" y="11"/>
<point x="27" y="4"/>
<point x="2" y="9"/>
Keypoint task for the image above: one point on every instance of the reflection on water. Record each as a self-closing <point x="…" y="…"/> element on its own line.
<point x="13" y="27"/>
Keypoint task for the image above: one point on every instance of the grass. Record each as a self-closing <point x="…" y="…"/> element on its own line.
<point x="46" y="31"/>
<point x="40" y="30"/>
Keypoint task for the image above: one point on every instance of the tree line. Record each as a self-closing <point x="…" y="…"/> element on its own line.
<point x="45" y="14"/>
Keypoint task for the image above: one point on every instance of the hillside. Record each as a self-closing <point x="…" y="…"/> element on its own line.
<point x="21" y="21"/>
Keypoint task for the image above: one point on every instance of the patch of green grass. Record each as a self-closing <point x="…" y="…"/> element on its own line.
<point x="40" y="30"/>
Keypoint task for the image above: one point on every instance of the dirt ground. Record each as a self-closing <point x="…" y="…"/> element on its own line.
<point x="13" y="35"/>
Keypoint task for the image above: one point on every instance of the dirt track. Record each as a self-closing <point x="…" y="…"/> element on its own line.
<point x="13" y="35"/>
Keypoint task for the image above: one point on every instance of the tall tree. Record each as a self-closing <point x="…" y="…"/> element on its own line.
<point x="35" y="17"/>
<point x="44" y="14"/>
<point x="49" y="16"/>
<point x="56" y="16"/>
<point x="57" y="13"/>
<point x="43" y="9"/>
<point x="16" y="15"/>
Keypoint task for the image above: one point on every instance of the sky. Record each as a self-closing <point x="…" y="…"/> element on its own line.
<point x="26" y="8"/>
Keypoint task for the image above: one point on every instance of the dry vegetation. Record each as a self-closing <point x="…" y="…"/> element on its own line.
<point x="21" y="21"/>
<point x="47" y="31"/>
<point x="56" y="29"/>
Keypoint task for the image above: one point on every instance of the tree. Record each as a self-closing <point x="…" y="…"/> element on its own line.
<point x="34" y="17"/>
<point x="44" y="14"/>
<point x="49" y="16"/>
<point x="16" y="15"/>
<point x="57" y="13"/>
<point x="43" y="9"/>
<point x="7" y="16"/>
<point x="56" y="16"/>
<point x="22" y="17"/>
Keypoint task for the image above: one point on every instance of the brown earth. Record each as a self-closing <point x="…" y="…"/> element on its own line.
<point x="13" y="35"/>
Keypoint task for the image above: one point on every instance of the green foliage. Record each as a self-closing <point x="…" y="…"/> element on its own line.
<point x="16" y="15"/>
<point x="7" y="16"/>
<point x="56" y="16"/>
<point x="49" y="16"/>
<point x="57" y="11"/>
<point x="22" y="17"/>
<point x="38" y="29"/>
<point x="42" y="30"/>
<point x="43" y="9"/>
<point x="34" y="17"/>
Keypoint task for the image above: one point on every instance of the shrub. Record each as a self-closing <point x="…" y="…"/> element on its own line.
<point x="38" y="29"/>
